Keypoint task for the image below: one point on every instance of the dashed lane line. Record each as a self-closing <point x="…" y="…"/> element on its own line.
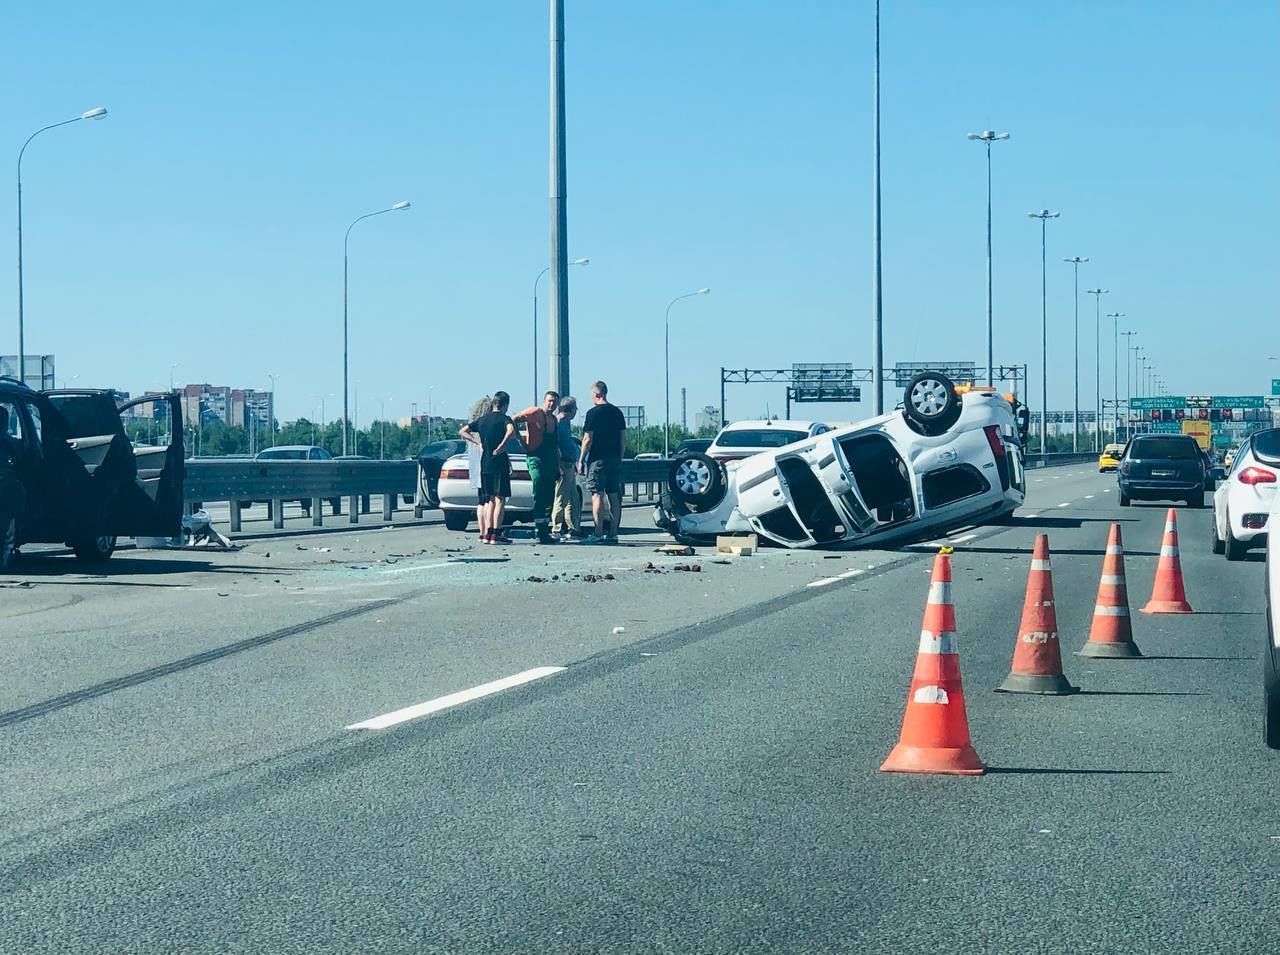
<point x="395" y="717"/>
<point x="1065" y="504"/>
<point x="828" y="581"/>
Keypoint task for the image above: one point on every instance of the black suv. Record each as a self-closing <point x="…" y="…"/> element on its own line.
<point x="69" y="473"/>
<point x="1162" y="467"/>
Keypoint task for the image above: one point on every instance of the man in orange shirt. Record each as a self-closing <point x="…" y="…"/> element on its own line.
<point x="543" y="459"/>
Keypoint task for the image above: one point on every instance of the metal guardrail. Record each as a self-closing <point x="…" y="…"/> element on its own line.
<point x="1058" y="458"/>
<point x="315" y="481"/>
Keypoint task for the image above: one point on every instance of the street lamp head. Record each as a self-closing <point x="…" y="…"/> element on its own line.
<point x="988" y="136"/>
<point x="1076" y="259"/>
<point x="580" y="262"/>
<point x="1097" y="291"/>
<point x="1044" y="214"/>
<point x="404" y="204"/>
<point x="703" y="291"/>
<point x="98" y="112"/>
<point x="972" y="136"/>
<point x="1000" y="136"/>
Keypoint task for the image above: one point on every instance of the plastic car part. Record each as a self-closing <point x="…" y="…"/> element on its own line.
<point x="697" y="480"/>
<point x="930" y="402"/>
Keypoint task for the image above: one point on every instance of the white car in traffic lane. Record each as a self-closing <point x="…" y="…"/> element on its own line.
<point x="1242" y="502"/>
<point x="945" y="460"/>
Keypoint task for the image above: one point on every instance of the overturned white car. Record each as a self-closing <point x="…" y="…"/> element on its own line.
<point x="945" y="460"/>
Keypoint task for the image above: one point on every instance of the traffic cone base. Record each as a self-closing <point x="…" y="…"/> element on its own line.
<point x="1115" y="651"/>
<point x="1046" y="684"/>
<point x="963" y="761"/>
<point x="1167" y="606"/>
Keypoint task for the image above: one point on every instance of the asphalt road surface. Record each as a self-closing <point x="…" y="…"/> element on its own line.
<point x="688" y="760"/>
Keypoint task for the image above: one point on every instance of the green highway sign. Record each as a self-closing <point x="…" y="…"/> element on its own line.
<point x="1238" y="401"/>
<point x="1275" y="386"/>
<point x="1172" y="402"/>
<point x="1165" y="427"/>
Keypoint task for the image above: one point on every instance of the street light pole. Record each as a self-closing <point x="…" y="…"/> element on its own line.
<point x="1075" y="261"/>
<point x="346" y="244"/>
<point x="988" y="137"/>
<point x="272" y="410"/>
<point x="559" y="211"/>
<point x="1044" y="215"/>
<point x="877" y="335"/>
<point x="1115" y="371"/>
<point x="666" y="361"/>
<point x="98" y="112"/>
<point x="1097" y="294"/>
<point x="382" y="451"/>
<point x="537" y="397"/>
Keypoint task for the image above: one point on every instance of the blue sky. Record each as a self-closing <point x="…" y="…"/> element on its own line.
<point x="723" y="143"/>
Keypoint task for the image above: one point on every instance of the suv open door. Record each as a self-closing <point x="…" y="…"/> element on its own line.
<point x="137" y="484"/>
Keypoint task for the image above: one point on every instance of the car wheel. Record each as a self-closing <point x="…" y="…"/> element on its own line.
<point x="1124" y="499"/>
<point x="457" y="520"/>
<point x="1271" y="698"/>
<point x="1196" y="500"/>
<point x="1215" y="542"/>
<point x="697" y="480"/>
<point x="1235" y="549"/>
<point x="8" y="543"/>
<point x="930" y="402"/>
<point x="95" y="549"/>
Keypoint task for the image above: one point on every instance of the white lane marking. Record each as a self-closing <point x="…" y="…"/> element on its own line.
<point x="454" y="699"/>
<point x="1065" y="504"/>
<point x="1056" y="476"/>
<point x="1088" y="496"/>
<point x="1039" y="480"/>
<point x="961" y="540"/>
<point x="827" y="581"/>
<point x="1106" y="490"/>
<point x="1032" y="517"/>
<point x="417" y="567"/>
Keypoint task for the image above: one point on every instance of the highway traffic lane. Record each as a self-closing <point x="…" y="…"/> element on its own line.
<point x="123" y="701"/>
<point x="747" y="757"/>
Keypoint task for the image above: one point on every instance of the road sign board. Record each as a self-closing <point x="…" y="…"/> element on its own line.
<point x="958" y="371"/>
<point x="1238" y="401"/>
<point x="823" y="382"/>
<point x="1275" y="386"/>
<point x="1166" y="427"/>
<point x="1158" y="401"/>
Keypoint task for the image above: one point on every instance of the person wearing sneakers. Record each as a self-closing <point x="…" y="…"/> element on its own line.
<point x="491" y="431"/>
<point x="604" y="438"/>
<point x="543" y="457"/>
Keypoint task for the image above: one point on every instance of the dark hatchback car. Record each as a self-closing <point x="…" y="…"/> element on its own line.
<point x="72" y="475"/>
<point x="1163" y="467"/>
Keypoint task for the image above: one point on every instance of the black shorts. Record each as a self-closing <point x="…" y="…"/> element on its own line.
<point x="495" y="484"/>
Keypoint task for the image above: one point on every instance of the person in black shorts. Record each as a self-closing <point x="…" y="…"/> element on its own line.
<point x="604" y="438"/>
<point x="492" y="431"/>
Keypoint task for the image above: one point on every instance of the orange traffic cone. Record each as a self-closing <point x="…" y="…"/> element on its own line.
<point x="935" y="730"/>
<point x="1037" y="655"/>
<point x="1169" y="595"/>
<point x="1112" y="632"/>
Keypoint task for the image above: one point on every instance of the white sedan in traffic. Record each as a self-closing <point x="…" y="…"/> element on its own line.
<point x="1242" y="502"/>
<point x="741" y="439"/>
<point x="945" y="460"/>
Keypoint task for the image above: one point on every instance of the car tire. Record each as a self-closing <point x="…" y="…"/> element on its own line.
<point x="697" y="480"/>
<point x="8" y="543"/>
<point x="1270" y="697"/>
<point x="1216" y="543"/>
<point x="457" y="520"/>
<point x="1196" y="500"/>
<point x="1124" y="499"/>
<point x="930" y="403"/>
<point x="94" y="550"/>
<point x="1235" y="549"/>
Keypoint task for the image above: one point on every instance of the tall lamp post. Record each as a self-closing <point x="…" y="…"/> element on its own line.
<point x="877" y="333"/>
<point x="1044" y="215"/>
<point x="1075" y="261"/>
<point x="1115" y="371"/>
<point x="537" y="397"/>
<point x="98" y="112"/>
<point x="666" y="351"/>
<point x="346" y="244"/>
<point x="382" y="450"/>
<point x="988" y="137"/>
<point x="271" y="409"/>
<point x="1097" y="294"/>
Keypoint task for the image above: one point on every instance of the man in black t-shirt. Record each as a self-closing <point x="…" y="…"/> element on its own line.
<point x="492" y="431"/>
<point x="604" y="438"/>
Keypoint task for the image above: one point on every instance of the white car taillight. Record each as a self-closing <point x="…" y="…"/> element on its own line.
<point x="1254" y="476"/>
